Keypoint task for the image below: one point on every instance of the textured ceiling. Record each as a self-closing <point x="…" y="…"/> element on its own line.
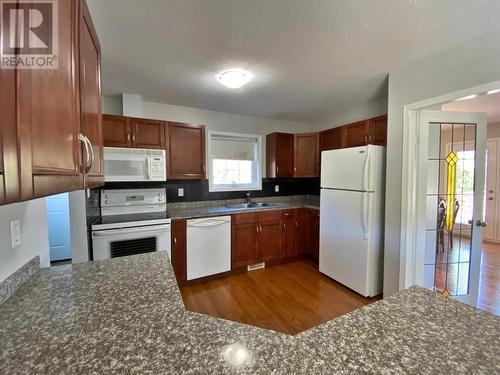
<point x="484" y="103"/>
<point x="310" y="58"/>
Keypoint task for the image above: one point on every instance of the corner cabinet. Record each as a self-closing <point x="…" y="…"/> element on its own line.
<point x="186" y="151"/>
<point x="53" y="144"/>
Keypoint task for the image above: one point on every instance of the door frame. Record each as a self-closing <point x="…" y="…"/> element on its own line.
<point x="409" y="269"/>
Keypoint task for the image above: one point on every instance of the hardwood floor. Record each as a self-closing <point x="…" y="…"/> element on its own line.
<point x="289" y="298"/>
<point x="452" y="273"/>
<point x="489" y="279"/>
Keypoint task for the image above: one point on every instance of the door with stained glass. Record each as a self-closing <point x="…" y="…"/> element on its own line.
<point x="454" y="202"/>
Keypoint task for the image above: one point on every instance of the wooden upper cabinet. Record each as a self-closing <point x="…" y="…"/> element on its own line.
<point x="116" y="131"/>
<point x="355" y="134"/>
<point x="148" y="133"/>
<point x="378" y="130"/>
<point x="279" y="155"/>
<point x="330" y="139"/>
<point x="186" y="151"/>
<point x="306" y="155"/>
<point x="9" y="173"/>
<point x="90" y="96"/>
<point x="49" y="107"/>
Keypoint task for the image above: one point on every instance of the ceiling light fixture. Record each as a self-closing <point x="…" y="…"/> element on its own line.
<point x="466" y="97"/>
<point x="234" y="78"/>
<point x="496" y="91"/>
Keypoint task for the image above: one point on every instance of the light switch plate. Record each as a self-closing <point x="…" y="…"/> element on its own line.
<point x="180" y="192"/>
<point x="15" y="233"/>
<point x="276" y="188"/>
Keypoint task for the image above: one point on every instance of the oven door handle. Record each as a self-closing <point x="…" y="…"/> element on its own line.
<point x="115" y="232"/>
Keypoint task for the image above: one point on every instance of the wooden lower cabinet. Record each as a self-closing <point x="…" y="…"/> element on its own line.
<point x="312" y="234"/>
<point x="245" y="240"/>
<point x="291" y="233"/>
<point x="179" y="262"/>
<point x="271" y="236"/>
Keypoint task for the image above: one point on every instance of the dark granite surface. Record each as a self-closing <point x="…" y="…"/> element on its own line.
<point x="125" y="316"/>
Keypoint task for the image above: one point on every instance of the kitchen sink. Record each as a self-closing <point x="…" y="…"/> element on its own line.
<point x="251" y="205"/>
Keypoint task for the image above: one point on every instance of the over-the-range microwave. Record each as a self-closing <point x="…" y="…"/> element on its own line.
<point x="134" y="164"/>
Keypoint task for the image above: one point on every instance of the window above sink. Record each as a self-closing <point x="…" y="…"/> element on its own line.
<point x="234" y="161"/>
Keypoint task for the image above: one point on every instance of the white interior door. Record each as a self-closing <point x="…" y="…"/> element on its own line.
<point x="451" y="209"/>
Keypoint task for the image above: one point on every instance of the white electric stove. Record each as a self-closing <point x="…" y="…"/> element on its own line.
<point x="133" y="221"/>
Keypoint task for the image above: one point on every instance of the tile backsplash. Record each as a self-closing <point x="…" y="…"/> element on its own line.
<point x="197" y="190"/>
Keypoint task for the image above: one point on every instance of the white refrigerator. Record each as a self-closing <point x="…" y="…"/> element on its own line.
<point x="352" y="217"/>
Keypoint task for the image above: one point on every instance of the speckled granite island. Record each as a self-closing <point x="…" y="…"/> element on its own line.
<point x="126" y="316"/>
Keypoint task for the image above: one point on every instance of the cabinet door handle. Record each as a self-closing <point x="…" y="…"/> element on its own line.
<point x="128" y="137"/>
<point x="257" y="229"/>
<point x="296" y="224"/>
<point x="133" y="138"/>
<point x="284" y="226"/>
<point x="83" y="139"/>
<point x="277" y="170"/>
<point x="175" y="241"/>
<point x="92" y="157"/>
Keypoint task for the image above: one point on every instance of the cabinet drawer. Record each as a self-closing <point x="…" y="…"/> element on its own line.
<point x="247" y="218"/>
<point x="270" y="215"/>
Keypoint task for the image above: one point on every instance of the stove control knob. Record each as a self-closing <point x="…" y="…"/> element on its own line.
<point x="108" y="202"/>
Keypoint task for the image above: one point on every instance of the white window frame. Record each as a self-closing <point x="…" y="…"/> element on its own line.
<point x="234" y="187"/>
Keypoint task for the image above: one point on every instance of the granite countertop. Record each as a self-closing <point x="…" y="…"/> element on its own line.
<point x="126" y="316"/>
<point x="218" y="208"/>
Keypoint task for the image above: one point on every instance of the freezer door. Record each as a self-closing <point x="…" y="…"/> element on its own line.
<point x="355" y="168"/>
<point x="345" y="238"/>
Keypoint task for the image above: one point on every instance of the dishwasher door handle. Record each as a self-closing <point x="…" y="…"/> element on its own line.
<point x="208" y="224"/>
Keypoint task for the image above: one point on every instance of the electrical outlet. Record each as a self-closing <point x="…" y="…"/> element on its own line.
<point x="276" y="188"/>
<point x="180" y="192"/>
<point x="15" y="233"/>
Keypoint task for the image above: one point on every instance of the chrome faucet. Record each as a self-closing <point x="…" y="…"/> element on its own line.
<point x="248" y="197"/>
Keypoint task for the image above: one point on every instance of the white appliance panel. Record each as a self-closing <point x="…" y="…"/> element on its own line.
<point x="103" y="239"/>
<point x="355" y="168"/>
<point x="350" y="246"/>
<point x="208" y="246"/>
<point x="132" y="164"/>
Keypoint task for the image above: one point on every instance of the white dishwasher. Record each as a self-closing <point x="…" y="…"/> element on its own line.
<point x="208" y="246"/>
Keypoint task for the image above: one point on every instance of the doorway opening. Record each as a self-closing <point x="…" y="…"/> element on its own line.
<point x="461" y="175"/>
<point x="59" y="226"/>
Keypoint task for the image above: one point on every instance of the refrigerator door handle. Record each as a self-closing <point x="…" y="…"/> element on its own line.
<point x="364" y="215"/>
<point x="366" y="172"/>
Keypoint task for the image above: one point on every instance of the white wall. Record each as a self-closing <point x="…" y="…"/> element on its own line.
<point x="112" y="105"/>
<point x="211" y="119"/>
<point x="78" y="227"/>
<point x="34" y="236"/>
<point x="468" y="64"/>
<point x="355" y="113"/>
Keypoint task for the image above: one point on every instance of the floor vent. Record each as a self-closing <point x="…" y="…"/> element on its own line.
<point x="256" y="266"/>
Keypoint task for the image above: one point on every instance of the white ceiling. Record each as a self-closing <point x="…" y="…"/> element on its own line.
<point x="310" y="58"/>
<point x="484" y="103"/>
